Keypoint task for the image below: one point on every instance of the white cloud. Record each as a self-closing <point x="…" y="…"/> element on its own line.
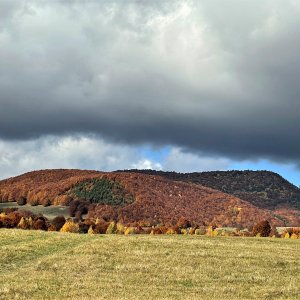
<point x="183" y="162"/>
<point x="147" y="164"/>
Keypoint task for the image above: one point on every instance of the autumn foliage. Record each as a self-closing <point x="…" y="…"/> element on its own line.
<point x="11" y="218"/>
<point x="150" y="200"/>
<point x="262" y="228"/>
<point x="58" y="222"/>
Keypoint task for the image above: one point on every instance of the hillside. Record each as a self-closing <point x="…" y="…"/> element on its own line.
<point x="133" y="197"/>
<point x="263" y="189"/>
<point x="43" y="187"/>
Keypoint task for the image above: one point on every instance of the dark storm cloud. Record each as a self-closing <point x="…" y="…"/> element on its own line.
<point x="208" y="77"/>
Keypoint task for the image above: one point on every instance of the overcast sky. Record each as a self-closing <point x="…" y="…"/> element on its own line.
<point x="173" y="85"/>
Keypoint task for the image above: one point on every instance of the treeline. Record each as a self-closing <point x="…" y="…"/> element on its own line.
<point x="14" y="218"/>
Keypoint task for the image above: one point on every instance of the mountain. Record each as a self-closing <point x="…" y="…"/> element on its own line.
<point x="263" y="189"/>
<point x="135" y="197"/>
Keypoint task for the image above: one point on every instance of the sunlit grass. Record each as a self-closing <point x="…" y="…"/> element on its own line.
<point x="50" y="265"/>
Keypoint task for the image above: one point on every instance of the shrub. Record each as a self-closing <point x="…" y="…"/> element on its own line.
<point x="130" y="230"/>
<point x="163" y="229"/>
<point x="263" y="228"/>
<point x="40" y="223"/>
<point x="83" y="228"/>
<point x="209" y="231"/>
<point x="51" y="228"/>
<point x="173" y="230"/>
<point x="78" y="216"/>
<point x="78" y="208"/>
<point x="89" y="221"/>
<point x="139" y="230"/>
<point x="91" y="230"/>
<point x="73" y="207"/>
<point x="23" y="224"/>
<point x="58" y="222"/>
<point x="245" y="233"/>
<point x="191" y="230"/>
<point x="200" y="231"/>
<point x="30" y="223"/>
<point x="213" y="225"/>
<point x="176" y="229"/>
<point x="183" y="223"/>
<point x="11" y="219"/>
<point x="120" y="228"/>
<point x="296" y="230"/>
<point x="147" y="230"/>
<point x="292" y="230"/>
<point x="294" y="236"/>
<point x="197" y="231"/>
<point x="70" y="226"/>
<point x="83" y="207"/>
<point x="156" y="230"/>
<point x="215" y="232"/>
<point x="112" y="228"/>
<point x="101" y="227"/>
<point x="274" y="233"/>
<point x="21" y="201"/>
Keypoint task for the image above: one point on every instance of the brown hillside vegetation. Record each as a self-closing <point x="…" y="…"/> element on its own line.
<point x="43" y="187"/>
<point x="163" y="201"/>
<point x="263" y="189"/>
<point x="155" y="200"/>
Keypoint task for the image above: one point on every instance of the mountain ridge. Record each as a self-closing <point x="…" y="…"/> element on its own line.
<point x="251" y="186"/>
<point x="156" y="199"/>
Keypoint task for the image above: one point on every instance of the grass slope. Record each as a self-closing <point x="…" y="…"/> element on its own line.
<point x="40" y="265"/>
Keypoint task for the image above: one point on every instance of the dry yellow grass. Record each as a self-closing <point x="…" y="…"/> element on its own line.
<point x="51" y="265"/>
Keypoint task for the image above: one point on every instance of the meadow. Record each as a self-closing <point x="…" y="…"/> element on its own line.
<point x="49" y="212"/>
<point x="54" y="265"/>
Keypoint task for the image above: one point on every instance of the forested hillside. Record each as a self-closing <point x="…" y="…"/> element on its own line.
<point x="263" y="189"/>
<point x="132" y="197"/>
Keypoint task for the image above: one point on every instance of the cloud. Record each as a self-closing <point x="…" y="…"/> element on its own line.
<point x="207" y="78"/>
<point x="179" y="161"/>
<point x="91" y="152"/>
<point x="64" y="152"/>
<point x="147" y="164"/>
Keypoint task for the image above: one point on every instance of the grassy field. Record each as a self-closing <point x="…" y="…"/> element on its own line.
<point x="51" y="265"/>
<point x="49" y="212"/>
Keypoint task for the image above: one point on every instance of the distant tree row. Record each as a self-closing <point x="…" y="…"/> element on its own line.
<point x="13" y="218"/>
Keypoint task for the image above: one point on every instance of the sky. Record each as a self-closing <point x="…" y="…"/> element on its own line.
<point x="169" y="85"/>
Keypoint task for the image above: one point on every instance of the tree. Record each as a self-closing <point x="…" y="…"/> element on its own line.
<point x="58" y="222"/>
<point x="262" y="228"/>
<point x="183" y="223"/>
